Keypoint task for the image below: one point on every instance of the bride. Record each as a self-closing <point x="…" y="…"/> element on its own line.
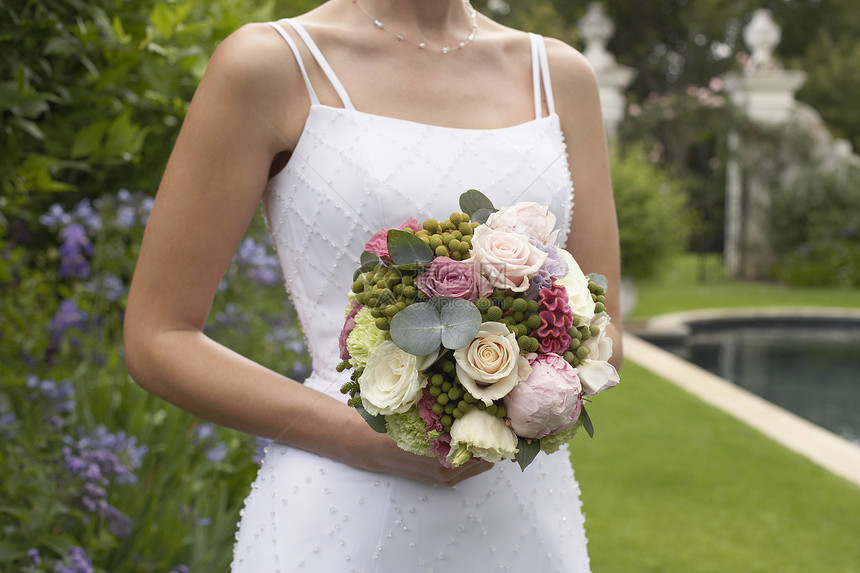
<point x="348" y="119"/>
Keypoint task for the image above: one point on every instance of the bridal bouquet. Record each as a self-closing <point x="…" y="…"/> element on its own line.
<point x="475" y="336"/>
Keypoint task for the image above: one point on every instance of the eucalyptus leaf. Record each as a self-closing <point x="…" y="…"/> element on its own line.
<point x="404" y="248"/>
<point x="473" y="200"/>
<point x="460" y="320"/>
<point x="368" y="259"/>
<point x="599" y="279"/>
<point x="375" y="422"/>
<point x="481" y="215"/>
<point x="586" y="423"/>
<point x="526" y="452"/>
<point x="417" y="329"/>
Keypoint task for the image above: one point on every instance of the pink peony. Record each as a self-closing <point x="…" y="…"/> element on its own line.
<point x="548" y="401"/>
<point x="556" y="319"/>
<point x="348" y="325"/>
<point x="378" y="243"/>
<point x="447" y="277"/>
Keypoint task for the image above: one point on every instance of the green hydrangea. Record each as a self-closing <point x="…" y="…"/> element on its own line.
<point x="364" y="339"/>
<point x="551" y="444"/>
<point x="408" y="431"/>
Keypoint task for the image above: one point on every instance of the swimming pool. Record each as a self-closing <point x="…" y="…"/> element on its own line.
<point x="809" y="365"/>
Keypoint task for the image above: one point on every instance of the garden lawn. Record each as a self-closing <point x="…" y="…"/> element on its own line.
<point x="671" y="484"/>
<point x="678" y="288"/>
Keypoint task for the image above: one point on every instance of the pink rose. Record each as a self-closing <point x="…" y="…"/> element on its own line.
<point x="348" y="326"/>
<point x="506" y="259"/>
<point x="447" y="277"/>
<point x="527" y="218"/>
<point x="548" y="401"/>
<point x="378" y="243"/>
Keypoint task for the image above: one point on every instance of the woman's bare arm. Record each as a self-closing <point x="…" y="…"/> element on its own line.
<point x="240" y="118"/>
<point x="593" y="237"/>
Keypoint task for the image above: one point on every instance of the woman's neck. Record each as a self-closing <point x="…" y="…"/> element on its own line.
<point x="436" y="21"/>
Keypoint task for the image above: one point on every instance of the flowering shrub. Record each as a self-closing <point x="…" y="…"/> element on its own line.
<point x="98" y="475"/>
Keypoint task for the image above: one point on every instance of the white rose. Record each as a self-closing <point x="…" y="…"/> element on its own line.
<point x="506" y="259"/>
<point x="481" y="435"/>
<point x="596" y="376"/>
<point x="576" y="283"/>
<point x="600" y="346"/>
<point x="527" y="218"/>
<point x="391" y="382"/>
<point x="491" y="365"/>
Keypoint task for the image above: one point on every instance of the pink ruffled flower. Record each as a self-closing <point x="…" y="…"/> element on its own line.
<point x="548" y="401"/>
<point x="556" y="319"/>
<point x="425" y="412"/>
<point x="348" y="325"/>
<point x="457" y="279"/>
<point x="378" y="243"/>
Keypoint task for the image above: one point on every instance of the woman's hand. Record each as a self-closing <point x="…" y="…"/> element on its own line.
<point x="369" y="450"/>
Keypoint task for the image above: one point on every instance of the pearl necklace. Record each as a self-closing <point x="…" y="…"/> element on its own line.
<point x="423" y="45"/>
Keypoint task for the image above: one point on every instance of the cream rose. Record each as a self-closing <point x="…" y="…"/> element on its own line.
<point x="576" y="283"/>
<point x="505" y="258"/>
<point x="391" y="382"/>
<point x="600" y="346"/>
<point x="481" y="435"/>
<point x="596" y="376"/>
<point x="527" y="218"/>
<point x="491" y="365"/>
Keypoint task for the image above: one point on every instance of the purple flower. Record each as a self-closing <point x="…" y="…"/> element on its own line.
<point x="109" y="284"/>
<point x="78" y="562"/>
<point x="217" y="453"/>
<point x="179" y="569"/>
<point x="262" y="445"/>
<point x="85" y="213"/>
<point x="56" y="217"/>
<point x="554" y="267"/>
<point x="263" y="268"/>
<point x="73" y="252"/>
<point x="203" y="432"/>
<point x="67" y="316"/>
<point x="35" y="557"/>
<point x="126" y="216"/>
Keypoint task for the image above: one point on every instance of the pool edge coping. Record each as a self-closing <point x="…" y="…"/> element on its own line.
<point x="832" y="452"/>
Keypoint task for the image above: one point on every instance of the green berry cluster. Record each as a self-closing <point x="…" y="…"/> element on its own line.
<point x="518" y="314"/>
<point x="598" y="295"/>
<point x="449" y="238"/>
<point x="387" y="291"/>
<point x="452" y="399"/>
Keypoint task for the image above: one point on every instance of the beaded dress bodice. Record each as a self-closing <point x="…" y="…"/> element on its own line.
<point x="353" y="173"/>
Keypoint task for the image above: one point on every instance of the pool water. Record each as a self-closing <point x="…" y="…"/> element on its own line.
<point x="812" y="370"/>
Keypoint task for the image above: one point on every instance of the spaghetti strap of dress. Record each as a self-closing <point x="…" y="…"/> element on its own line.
<point x="540" y="71"/>
<point x="318" y="57"/>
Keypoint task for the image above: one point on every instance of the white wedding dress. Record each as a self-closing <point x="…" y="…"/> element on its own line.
<point x="351" y="174"/>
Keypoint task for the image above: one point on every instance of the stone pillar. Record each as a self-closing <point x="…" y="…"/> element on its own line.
<point x="764" y="91"/>
<point x="612" y="79"/>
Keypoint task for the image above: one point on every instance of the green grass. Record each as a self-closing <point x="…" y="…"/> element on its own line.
<point x="690" y="283"/>
<point x="671" y="484"/>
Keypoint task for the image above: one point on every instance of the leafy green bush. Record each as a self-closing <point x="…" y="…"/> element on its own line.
<point x="815" y="230"/>
<point x="95" y="470"/>
<point x="653" y="223"/>
<point x="93" y="92"/>
<point x="685" y="132"/>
